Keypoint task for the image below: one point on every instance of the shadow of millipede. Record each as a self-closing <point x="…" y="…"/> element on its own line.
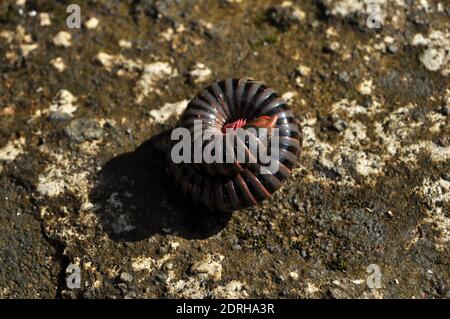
<point x="135" y="199"/>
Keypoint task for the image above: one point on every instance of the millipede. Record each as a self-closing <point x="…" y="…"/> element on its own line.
<point x="229" y="105"/>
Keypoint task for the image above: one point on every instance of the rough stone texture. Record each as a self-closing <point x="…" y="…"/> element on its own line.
<point x="81" y="183"/>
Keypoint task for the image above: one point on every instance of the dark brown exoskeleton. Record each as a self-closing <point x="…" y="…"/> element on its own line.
<point x="223" y="107"/>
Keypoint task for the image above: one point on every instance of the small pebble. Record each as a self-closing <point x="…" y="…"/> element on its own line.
<point x="80" y="130"/>
<point x="92" y="23"/>
<point x="344" y="77"/>
<point x="304" y="70"/>
<point x="59" y="116"/>
<point x="125" y="44"/>
<point x="44" y="19"/>
<point x="293" y="275"/>
<point x="126" y="277"/>
<point x="9" y="110"/>
<point x="130" y="295"/>
<point x="123" y="287"/>
<point x="367" y="101"/>
<point x="339" y="125"/>
<point x="161" y="277"/>
<point x="200" y="73"/>
<point x="63" y="39"/>
<point x="163" y="250"/>
<point x="168" y="266"/>
<point x="58" y="64"/>
<point x="392" y="48"/>
<point x="333" y="47"/>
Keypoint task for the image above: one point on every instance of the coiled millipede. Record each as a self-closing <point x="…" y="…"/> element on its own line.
<point x="232" y="104"/>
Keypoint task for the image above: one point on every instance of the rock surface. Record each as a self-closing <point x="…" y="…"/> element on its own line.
<point x="81" y="183"/>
